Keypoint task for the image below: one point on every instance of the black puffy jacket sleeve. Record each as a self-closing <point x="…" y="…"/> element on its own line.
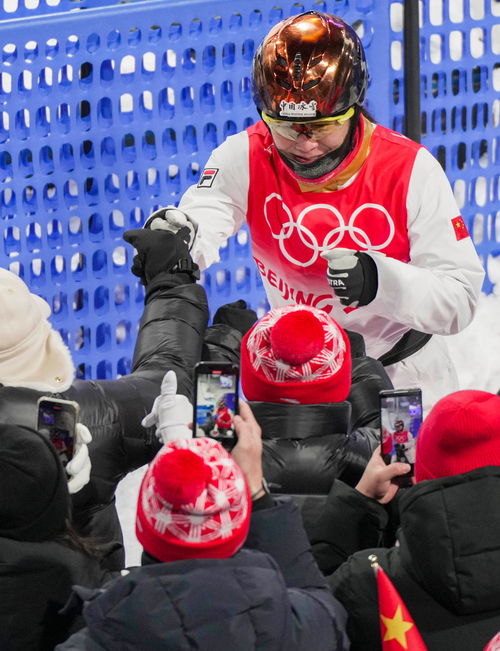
<point x="170" y="337"/>
<point x="368" y="378"/>
<point x="349" y="522"/>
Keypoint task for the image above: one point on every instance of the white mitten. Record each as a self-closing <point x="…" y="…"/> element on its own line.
<point x="79" y="467"/>
<point x="171" y="412"/>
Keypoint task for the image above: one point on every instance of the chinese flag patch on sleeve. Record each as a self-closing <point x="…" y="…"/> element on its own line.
<point x="460" y="228"/>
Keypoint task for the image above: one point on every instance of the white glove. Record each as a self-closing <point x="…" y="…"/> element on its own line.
<point x="79" y="467"/>
<point x="171" y="412"/>
<point x="171" y="219"/>
<point x="352" y="275"/>
<point x="340" y="258"/>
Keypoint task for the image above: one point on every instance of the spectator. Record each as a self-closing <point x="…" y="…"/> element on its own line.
<point x="233" y="320"/>
<point x="197" y="586"/>
<point x="40" y="555"/>
<point x="447" y="565"/>
<point x="34" y="362"/>
<point x="209" y="423"/>
<point x="296" y="372"/>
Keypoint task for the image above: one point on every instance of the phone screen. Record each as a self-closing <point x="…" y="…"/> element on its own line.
<point x="216" y="402"/>
<point x="58" y="421"/>
<point x="400" y="418"/>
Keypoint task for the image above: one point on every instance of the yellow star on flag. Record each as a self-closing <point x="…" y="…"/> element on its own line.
<point x="397" y="628"/>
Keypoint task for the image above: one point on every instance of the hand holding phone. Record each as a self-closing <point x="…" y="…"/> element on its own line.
<point x="216" y="401"/>
<point x="400" y="421"/>
<point x="381" y="481"/>
<point x="57" y="419"/>
<point x="248" y="451"/>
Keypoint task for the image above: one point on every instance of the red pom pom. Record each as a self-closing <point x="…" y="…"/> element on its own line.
<point x="181" y="476"/>
<point x="297" y="337"/>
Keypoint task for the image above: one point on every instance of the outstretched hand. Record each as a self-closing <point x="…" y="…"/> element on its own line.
<point x="171" y="412"/>
<point x="157" y="251"/>
<point x="248" y="451"/>
<point x="376" y="481"/>
<point x="78" y="469"/>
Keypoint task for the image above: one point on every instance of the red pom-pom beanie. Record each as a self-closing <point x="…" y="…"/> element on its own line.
<point x="461" y="433"/>
<point x="296" y="354"/>
<point x="193" y="502"/>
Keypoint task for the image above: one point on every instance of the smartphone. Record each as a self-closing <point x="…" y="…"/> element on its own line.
<point x="57" y="419"/>
<point x="400" y="421"/>
<point x="216" y="401"/>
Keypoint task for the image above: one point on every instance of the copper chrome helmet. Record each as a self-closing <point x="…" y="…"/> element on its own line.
<point x="308" y="67"/>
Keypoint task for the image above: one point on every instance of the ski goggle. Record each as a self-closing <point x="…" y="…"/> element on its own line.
<point x="316" y="129"/>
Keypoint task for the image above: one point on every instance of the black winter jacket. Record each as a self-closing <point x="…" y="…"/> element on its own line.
<point x="35" y="582"/>
<point x="270" y="595"/>
<point x="170" y="337"/>
<point x="348" y="522"/>
<point x="303" y="451"/>
<point x="446" y="569"/>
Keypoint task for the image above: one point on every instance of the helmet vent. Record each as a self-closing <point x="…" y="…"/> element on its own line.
<point x="297" y="66"/>
<point x="315" y="62"/>
<point x="284" y="84"/>
<point x="312" y="83"/>
<point x="281" y="61"/>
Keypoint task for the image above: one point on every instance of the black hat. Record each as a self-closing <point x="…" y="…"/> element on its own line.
<point x="34" y="497"/>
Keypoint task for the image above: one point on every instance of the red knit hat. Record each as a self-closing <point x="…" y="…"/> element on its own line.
<point x="461" y="433"/>
<point x="296" y="354"/>
<point x="193" y="502"/>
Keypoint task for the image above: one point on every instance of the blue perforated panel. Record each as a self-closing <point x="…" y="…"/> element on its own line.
<point x="460" y="84"/>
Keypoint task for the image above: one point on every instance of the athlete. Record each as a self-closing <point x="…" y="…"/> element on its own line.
<point x="223" y="419"/>
<point x="344" y="214"/>
<point x="404" y="444"/>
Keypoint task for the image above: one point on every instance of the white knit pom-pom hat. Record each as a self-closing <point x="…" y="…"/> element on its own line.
<point x="32" y="353"/>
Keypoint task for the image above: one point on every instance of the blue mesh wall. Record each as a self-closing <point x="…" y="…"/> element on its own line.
<point x="109" y="113"/>
<point x="460" y="83"/>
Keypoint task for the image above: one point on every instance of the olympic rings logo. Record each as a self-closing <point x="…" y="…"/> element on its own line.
<point x="334" y="236"/>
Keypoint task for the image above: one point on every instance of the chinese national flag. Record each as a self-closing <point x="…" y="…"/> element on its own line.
<point x="460" y="228"/>
<point x="397" y="628"/>
<point x="494" y="644"/>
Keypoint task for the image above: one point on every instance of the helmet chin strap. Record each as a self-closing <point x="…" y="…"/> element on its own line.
<point x="328" y="162"/>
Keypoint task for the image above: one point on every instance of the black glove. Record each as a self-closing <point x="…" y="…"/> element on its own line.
<point x="236" y="315"/>
<point x="160" y="251"/>
<point x="352" y="275"/>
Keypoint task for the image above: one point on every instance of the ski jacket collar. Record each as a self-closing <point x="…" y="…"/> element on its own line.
<point x="292" y="421"/>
